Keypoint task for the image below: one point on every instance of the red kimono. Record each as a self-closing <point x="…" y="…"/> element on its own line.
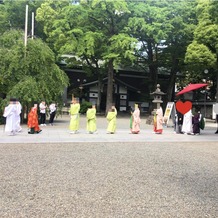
<point x="33" y="119"/>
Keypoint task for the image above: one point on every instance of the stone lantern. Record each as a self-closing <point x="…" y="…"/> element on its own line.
<point x="157" y="96"/>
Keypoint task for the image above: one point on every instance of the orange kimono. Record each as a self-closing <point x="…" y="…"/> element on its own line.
<point x="33" y="123"/>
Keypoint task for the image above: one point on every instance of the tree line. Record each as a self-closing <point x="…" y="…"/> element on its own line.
<point x="167" y="36"/>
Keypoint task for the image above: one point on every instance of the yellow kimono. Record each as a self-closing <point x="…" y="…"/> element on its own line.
<point x="74" y="117"/>
<point x="91" y="120"/>
<point x="112" y="120"/>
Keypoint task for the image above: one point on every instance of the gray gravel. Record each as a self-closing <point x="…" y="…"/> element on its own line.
<point x="142" y="179"/>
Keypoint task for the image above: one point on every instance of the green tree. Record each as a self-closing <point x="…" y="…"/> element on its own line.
<point x="164" y="30"/>
<point x="93" y="31"/>
<point x="149" y="25"/>
<point x="182" y="22"/>
<point x="202" y="53"/>
<point x="12" y="16"/>
<point x="4" y="24"/>
<point x="29" y="73"/>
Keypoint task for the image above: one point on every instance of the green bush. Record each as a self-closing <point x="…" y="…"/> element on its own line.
<point x="84" y="106"/>
<point x="2" y="120"/>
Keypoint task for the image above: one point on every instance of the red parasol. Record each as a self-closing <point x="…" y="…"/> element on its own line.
<point x="191" y="87"/>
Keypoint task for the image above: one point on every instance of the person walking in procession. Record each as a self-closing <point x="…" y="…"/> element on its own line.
<point x="187" y="123"/>
<point x="112" y="120"/>
<point x="33" y="123"/>
<point x="178" y="122"/>
<point x="158" y="121"/>
<point x="74" y="116"/>
<point x="11" y="112"/>
<point x="42" y="108"/>
<point x="17" y="118"/>
<point x="216" y="124"/>
<point x="135" y="120"/>
<point x="91" y="120"/>
<point x="196" y="123"/>
<point x="52" y="111"/>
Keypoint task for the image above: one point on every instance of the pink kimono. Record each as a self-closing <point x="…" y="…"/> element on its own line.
<point x="136" y="121"/>
<point x="158" y="121"/>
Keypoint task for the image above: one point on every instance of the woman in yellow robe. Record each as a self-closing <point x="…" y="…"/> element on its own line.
<point x="74" y="116"/>
<point x="112" y="120"/>
<point x="91" y="120"/>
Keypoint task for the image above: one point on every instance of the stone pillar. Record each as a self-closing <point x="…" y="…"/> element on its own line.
<point x="157" y="95"/>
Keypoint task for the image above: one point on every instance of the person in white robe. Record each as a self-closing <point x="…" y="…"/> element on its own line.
<point x="17" y="119"/>
<point x="187" y="123"/>
<point x="11" y="113"/>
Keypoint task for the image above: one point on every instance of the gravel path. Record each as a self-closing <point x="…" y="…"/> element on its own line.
<point x="109" y="180"/>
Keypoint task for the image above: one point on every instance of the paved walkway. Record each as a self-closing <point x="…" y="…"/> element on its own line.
<point x="60" y="133"/>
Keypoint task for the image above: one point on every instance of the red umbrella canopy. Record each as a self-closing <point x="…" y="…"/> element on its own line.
<point x="192" y="87"/>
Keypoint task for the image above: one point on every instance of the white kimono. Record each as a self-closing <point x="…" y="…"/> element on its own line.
<point x="187" y="123"/>
<point x="17" y="119"/>
<point x="11" y="113"/>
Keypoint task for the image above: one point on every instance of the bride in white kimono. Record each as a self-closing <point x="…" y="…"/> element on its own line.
<point x="187" y="123"/>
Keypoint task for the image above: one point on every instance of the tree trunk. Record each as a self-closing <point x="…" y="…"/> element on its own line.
<point x="171" y="87"/>
<point x="152" y="62"/>
<point x="153" y="77"/>
<point x="99" y="93"/>
<point x="153" y="71"/>
<point x="171" y="84"/>
<point x="217" y="85"/>
<point x="109" y="101"/>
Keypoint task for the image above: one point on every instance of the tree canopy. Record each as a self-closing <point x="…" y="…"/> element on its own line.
<point x="158" y="37"/>
<point x="29" y="73"/>
<point x="202" y="53"/>
<point x="94" y="31"/>
<point x="12" y="16"/>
